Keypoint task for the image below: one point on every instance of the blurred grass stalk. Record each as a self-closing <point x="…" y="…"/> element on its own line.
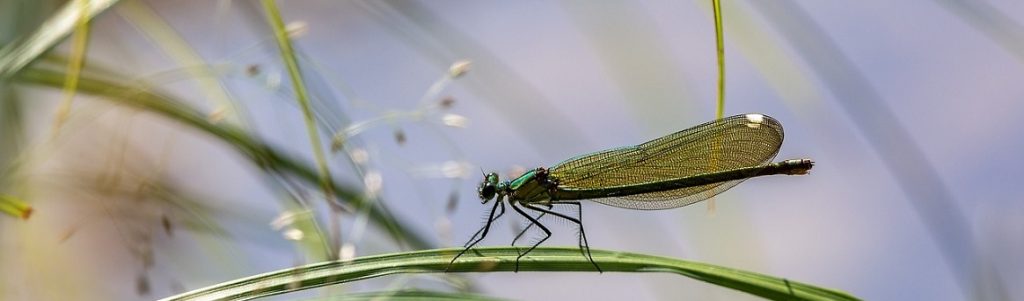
<point x="174" y="46"/>
<point x="284" y="43"/>
<point x="990" y="21"/>
<point x="894" y="145"/>
<point x="257" y="151"/>
<point x="15" y="207"/>
<point x="720" y="53"/>
<point x="79" y="45"/>
<point x="17" y="55"/>
<point x="441" y="42"/>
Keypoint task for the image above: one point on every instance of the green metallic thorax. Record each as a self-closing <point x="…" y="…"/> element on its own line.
<point x="527" y="189"/>
<point x="529" y="176"/>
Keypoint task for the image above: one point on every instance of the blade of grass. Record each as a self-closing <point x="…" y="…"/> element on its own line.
<point x="12" y="132"/>
<point x="503" y="259"/>
<point x="165" y="38"/>
<point x="990" y="21"/>
<point x="437" y="39"/>
<point x="79" y="45"/>
<point x="15" y="207"/>
<point x="16" y="19"/>
<point x="15" y="56"/>
<point x="302" y="97"/>
<point x="716" y="9"/>
<point x="895" y="146"/>
<point x="720" y="47"/>
<point x="259" y="152"/>
<point x="408" y="295"/>
<point x="753" y="40"/>
<point x="636" y="59"/>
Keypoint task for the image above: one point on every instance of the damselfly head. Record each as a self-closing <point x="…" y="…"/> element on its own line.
<point x="488" y="187"/>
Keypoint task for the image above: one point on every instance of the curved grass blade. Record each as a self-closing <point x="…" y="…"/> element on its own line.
<point x="893" y="143"/>
<point x="990" y="21"/>
<point x="503" y="259"/>
<point x="171" y="43"/>
<point x="258" y="151"/>
<point x="442" y="42"/>
<point x="15" y="56"/>
<point x="409" y="295"/>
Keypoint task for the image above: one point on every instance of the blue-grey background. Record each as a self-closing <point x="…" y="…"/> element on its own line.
<point x="909" y="108"/>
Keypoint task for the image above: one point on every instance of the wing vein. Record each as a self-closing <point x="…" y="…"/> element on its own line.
<point x="724" y="144"/>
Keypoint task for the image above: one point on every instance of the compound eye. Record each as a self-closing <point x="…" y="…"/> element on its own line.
<point x="487" y="192"/>
<point x="491" y="179"/>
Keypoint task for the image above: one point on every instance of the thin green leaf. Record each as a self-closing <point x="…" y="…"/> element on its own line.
<point x="15" y="207"/>
<point x="256" y="150"/>
<point x="716" y="8"/>
<point x="302" y="97"/>
<point x="79" y="45"/>
<point x="409" y="295"/>
<point x="503" y="259"/>
<point x="720" y="46"/>
<point x="168" y="40"/>
<point x="623" y="37"/>
<point x="15" y="56"/>
<point x="12" y="131"/>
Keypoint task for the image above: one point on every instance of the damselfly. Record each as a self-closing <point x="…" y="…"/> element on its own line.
<point x="673" y="171"/>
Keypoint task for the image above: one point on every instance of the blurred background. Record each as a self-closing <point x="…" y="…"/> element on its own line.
<point x="906" y="106"/>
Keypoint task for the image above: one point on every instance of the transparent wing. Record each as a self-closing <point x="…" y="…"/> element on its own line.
<point x="729" y="143"/>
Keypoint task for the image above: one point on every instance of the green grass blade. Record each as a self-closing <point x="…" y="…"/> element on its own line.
<point x="15" y="207"/>
<point x="164" y="37"/>
<point x="990" y="21"/>
<point x="635" y="59"/>
<point x="15" y="56"/>
<point x="259" y="152"/>
<point x="502" y="259"/>
<point x="79" y="45"/>
<point x="883" y="130"/>
<point x="284" y="43"/>
<point x="12" y="135"/>
<point x="720" y="47"/>
<point x="409" y="295"/>
<point x="12" y="132"/>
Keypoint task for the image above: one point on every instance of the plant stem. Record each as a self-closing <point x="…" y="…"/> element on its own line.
<point x="257" y="151"/>
<point x="302" y="97"/>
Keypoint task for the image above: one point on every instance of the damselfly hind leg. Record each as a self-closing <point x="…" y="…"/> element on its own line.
<point x="584" y="245"/>
<point x="482" y="232"/>
<point x="514" y="240"/>
<point x="486" y="225"/>
<point x="547" y="233"/>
